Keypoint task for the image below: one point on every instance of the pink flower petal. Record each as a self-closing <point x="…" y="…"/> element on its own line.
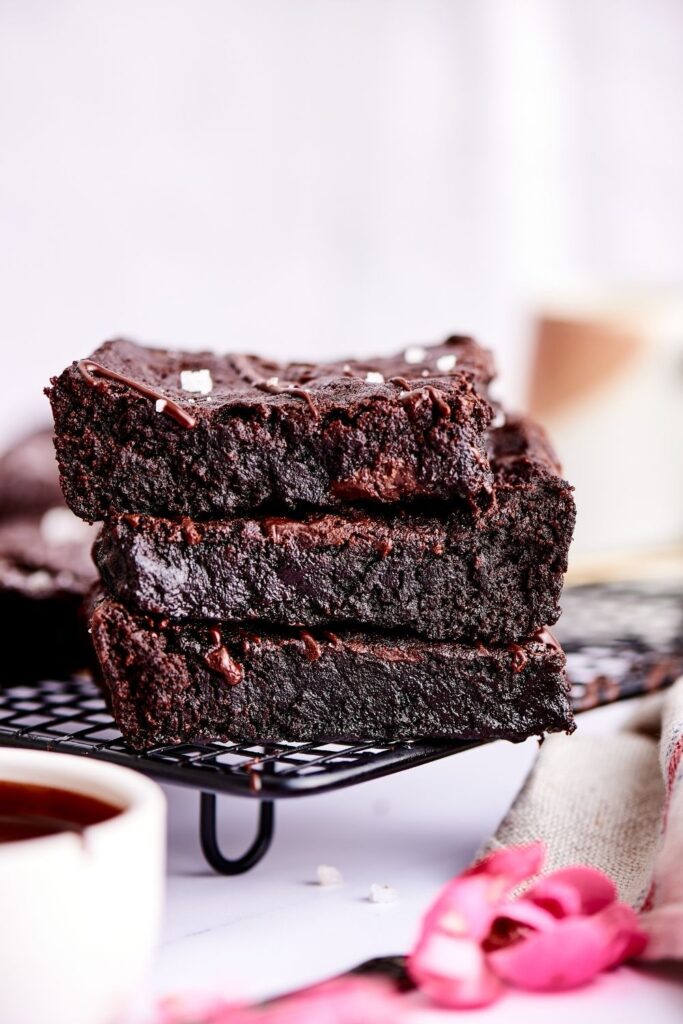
<point x="575" y="890"/>
<point x="342" y="1001"/>
<point x="192" y="1007"/>
<point x="466" y="906"/>
<point x="452" y="971"/>
<point x="629" y="939"/>
<point x="573" y="952"/>
<point x="514" y="864"/>
<point x="524" y="913"/>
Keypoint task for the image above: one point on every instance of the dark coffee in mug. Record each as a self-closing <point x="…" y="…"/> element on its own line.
<point x="31" y="812"/>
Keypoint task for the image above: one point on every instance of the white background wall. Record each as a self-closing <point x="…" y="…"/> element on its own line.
<point x="325" y="176"/>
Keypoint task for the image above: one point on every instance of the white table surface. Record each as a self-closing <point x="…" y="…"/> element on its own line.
<point x="273" y="929"/>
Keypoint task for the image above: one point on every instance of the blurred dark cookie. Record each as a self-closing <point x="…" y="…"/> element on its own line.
<point x="29" y="478"/>
<point x="45" y="572"/>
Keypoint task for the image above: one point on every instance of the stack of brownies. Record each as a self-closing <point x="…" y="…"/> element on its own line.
<point x="308" y="552"/>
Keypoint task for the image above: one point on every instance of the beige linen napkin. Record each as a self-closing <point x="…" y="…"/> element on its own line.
<point x="616" y="803"/>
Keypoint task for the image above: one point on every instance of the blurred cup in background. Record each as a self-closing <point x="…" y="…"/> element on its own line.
<point x="607" y="382"/>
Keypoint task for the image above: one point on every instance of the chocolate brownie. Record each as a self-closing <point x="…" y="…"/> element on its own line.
<point x="172" y="433"/>
<point x="29" y="479"/>
<point x="45" y="574"/>
<point x="171" y="683"/>
<point x="448" y="574"/>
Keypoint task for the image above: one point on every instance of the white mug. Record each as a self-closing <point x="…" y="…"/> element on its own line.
<point x="80" y="912"/>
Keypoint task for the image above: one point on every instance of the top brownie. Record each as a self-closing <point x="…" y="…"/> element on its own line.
<point x="147" y="430"/>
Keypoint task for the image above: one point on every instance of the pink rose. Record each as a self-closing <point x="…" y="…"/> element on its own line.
<point x="342" y="1001"/>
<point x="477" y="937"/>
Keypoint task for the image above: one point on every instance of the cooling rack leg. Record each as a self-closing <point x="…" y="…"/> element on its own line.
<point x="209" y="838"/>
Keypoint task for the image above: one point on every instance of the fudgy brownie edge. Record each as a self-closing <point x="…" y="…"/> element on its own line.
<point x="174" y="683"/>
<point x="269" y="435"/>
<point x="448" y="574"/>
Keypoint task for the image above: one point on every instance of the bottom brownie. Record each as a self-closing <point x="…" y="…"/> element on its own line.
<point x="172" y="683"/>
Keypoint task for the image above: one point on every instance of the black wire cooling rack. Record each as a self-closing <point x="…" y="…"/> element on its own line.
<point x="620" y="642"/>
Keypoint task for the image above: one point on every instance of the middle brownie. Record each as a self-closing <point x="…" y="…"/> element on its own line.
<point x="441" y="574"/>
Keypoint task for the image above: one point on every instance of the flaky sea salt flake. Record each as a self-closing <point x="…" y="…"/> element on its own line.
<point x="198" y="382"/>
<point x="445" y="364"/>
<point x="415" y="354"/>
<point x="373" y="377"/>
<point x="160" y="404"/>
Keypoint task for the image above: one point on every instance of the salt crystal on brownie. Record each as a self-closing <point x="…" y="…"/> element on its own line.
<point x="445" y="364"/>
<point x="160" y="404"/>
<point x="374" y="378"/>
<point x="199" y="382"/>
<point x="415" y="354"/>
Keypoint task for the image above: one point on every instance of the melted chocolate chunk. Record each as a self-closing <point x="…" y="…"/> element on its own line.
<point x="219" y="660"/>
<point x="519" y="657"/>
<point x="90" y="371"/>
<point x="191" y="532"/>
<point x="311" y="646"/>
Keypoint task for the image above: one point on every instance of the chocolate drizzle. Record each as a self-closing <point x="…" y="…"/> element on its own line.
<point x="519" y="657"/>
<point x="545" y="636"/>
<point x="438" y="401"/>
<point x="271" y="385"/>
<point x="90" y="370"/>
<point x="306" y="395"/>
<point x="271" y="525"/>
<point x="219" y="660"/>
<point x="191" y="532"/>
<point x="312" y="648"/>
<point x="435" y="396"/>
